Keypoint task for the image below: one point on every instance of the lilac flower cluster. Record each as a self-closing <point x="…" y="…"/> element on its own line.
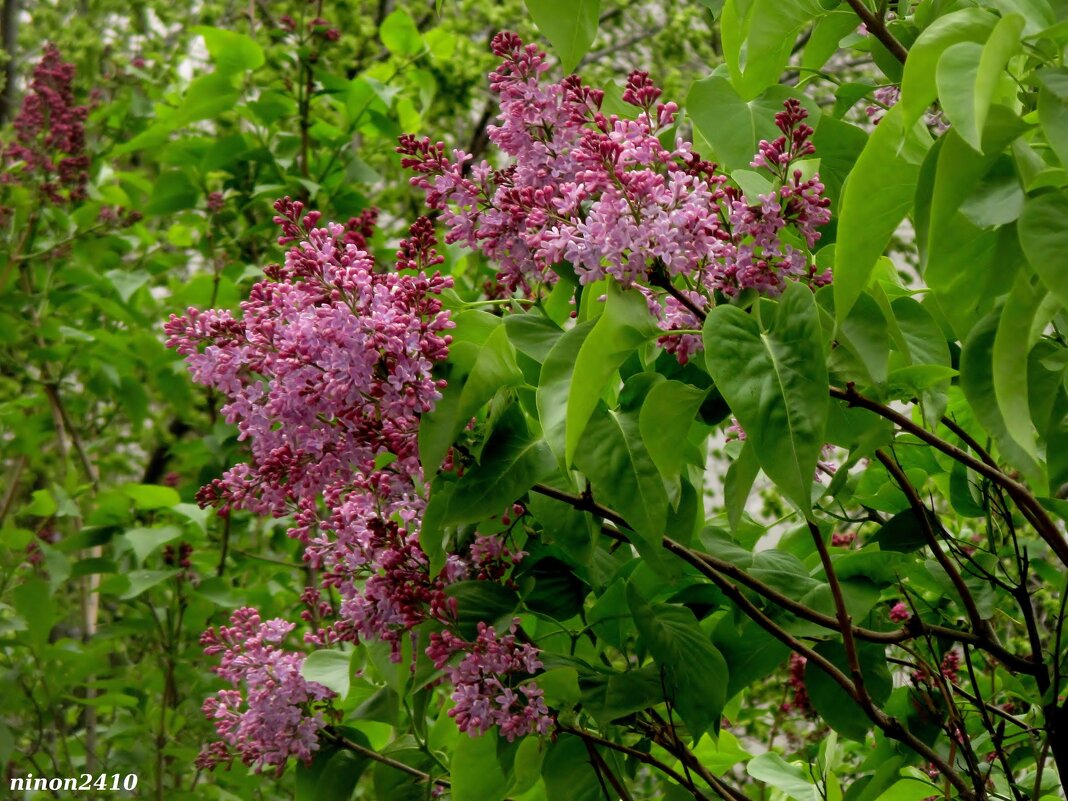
<point x="49" y="144"/>
<point x="326" y="374"/>
<point x="483" y="694"/>
<point x="274" y="718"/>
<point x="604" y="194"/>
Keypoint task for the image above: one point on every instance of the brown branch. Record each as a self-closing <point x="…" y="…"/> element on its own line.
<point x="634" y="753"/>
<point x="845" y="622"/>
<point x="913" y="629"/>
<point x="659" y="278"/>
<point x="415" y="773"/>
<point x="52" y="392"/>
<point x="1027" y="503"/>
<point x="604" y="771"/>
<point x="892" y="727"/>
<point x="979" y="625"/>
<point x="877" y="28"/>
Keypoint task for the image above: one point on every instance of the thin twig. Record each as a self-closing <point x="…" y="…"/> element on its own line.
<point x="922" y="516"/>
<point x="877" y="28"/>
<point x="1027" y="503"/>
<point x="634" y="753"/>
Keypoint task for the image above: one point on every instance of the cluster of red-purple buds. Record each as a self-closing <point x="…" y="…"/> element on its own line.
<point x="49" y="144"/>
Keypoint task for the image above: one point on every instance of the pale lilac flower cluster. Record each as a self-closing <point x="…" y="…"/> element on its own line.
<point x="49" y="144"/>
<point x="485" y="687"/>
<point x="274" y="718"/>
<point x="885" y="97"/>
<point x="604" y="194"/>
<point x="491" y="558"/>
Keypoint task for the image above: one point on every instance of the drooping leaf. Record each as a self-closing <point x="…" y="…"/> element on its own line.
<point x="475" y="773"/>
<point x="968" y="74"/>
<point x="624" y="325"/>
<point x="512" y="461"/>
<point x="695" y="671"/>
<point x="1044" y="238"/>
<point x="231" y="52"/>
<point x="977" y="381"/>
<point x="555" y="383"/>
<point x="623" y="475"/>
<point x="569" y="26"/>
<point x="774" y="378"/>
<point x="329" y="668"/>
<point x="830" y="700"/>
<point x="664" y="421"/>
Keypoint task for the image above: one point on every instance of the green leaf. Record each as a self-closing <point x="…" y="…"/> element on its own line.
<point x="567" y="772"/>
<point x="152" y="496"/>
<point x="864" y="333"/>
<point x="329" y="668"/>
<point x="610" y="696"/>
<point x="571" y="530"/>
<point x="33" y="601"/>
<point x="173" y="192"/>
<point x="624" y="325"/>
<point x="512" y="461"/>
<point x="623" y="475"/>
<point x="207" y="97"/>
<point x="141" y="581"/>
<point x="664" y="422"/>
<point x="1012" y="344"/>
<point x="731" y="125"/>
<point x="555" y="383"/>
<point x="968" y="75"/>
<point x="775" y="380"/>
<point x="779" y="774"/>
<point x="694" y="670"/>
<point x="875" y="199"/>
<point x="145" y="541"/>
<point x="902" y="533"/>
<point x="480" y="602"/>
<point x="475" y="773"/>
<point x="751" y="653"/>
<point x="739" y="482"/>
<point x="758" y="38"/>
<point x="560" y="686"/>
<point x="918" y="82"/>
<point x="831" y="701"/>
<point x="230" y="51"/>
<point x="977" y="381"/>
<point x="1044" y="238"/>
<point x="41" y="504"/>
<point x="400" y="35"/>
<point x="480" y="364"/>
<point x="569" y="25"/>
<point x="340" y="772"/>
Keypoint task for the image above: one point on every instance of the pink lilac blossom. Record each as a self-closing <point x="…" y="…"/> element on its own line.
<point x="49" y="144"/>
<point x="604" y="194"/>
<point x="272" y="718"/>
<point x="796" y="680"/>
<point x="899" y="612"/>
<point x="327" y="370"/>
<point x="326" y="373"/>
<point x="843" y="539"/>
<point x="485" y="691"/>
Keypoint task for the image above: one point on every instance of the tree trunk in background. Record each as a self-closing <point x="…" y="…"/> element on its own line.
<point x="9" y="36"/>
